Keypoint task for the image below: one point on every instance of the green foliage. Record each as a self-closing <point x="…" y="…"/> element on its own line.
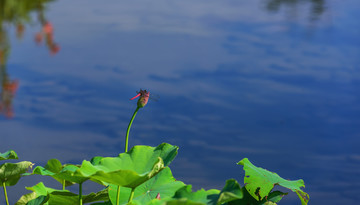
<point x="11" y="154"/>
<point x="259" y="182"/>
<point x="10" y="173"/>
<point x="145" y="170"/>
<point x="18" y="10"/>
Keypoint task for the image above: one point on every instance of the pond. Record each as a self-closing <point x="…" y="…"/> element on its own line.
<point x="276" y="81"/>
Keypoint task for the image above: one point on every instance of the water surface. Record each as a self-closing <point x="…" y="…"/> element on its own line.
<point x="274" y="81"/>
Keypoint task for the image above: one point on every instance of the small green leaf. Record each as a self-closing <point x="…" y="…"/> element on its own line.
<point x="275" y="196"/>
<point x="38" y="201"/>
<point x="60" y="172"/>
<point x="259" y="182"/>
<point x="11" y="154"/>
<point x="102" y="195"/>
<point x="246" y="199"/>
<point x="26" y="198"/>
<point x="54" y="168"/>
<point x="199" y="196"/>
<point x="231" y="191"/>
<point x="212" y="196"/>
<point x="54" y="165"/>
<point x="10" y="173"/>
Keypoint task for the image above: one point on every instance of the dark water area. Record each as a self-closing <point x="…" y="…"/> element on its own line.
<point x="276" y="81"/>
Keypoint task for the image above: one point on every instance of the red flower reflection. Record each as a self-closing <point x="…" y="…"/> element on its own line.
<point x="47" y="32"/>
<point x="6" y="97"/>
<point x="20" y="29"/>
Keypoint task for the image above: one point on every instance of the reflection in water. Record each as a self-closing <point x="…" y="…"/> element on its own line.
<point x="317" y="6"/>
<point x="8" y="89"/>
<point x="46" y="32"/>
<point x="17" y="13"/>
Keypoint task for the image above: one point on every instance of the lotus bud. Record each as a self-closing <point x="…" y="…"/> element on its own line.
<point x="158" y="196"/>
<point x="144" y="98"/>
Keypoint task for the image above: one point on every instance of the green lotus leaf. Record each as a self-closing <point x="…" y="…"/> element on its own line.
<point x="60" y="197"/>
<point x="182" y="201"/>
<point x="42" y="194"/>
<point x="54" y="165"/>
<point x="130" y="169"/>
<point x="275" y="196"/>
<point x="11" y="154"/>
<point x="259" y="182"/>
<point x="212" y="196"/>
<point x="26" y="198"/>
<point x="110" y="172"/>
<point x="200" y="196"/>
<point x="163" y="183"/>
<point x="10" y="173"/>
<point x="247" y="199"/>
<point x="56" y="170"/>
<point x="38" y="201"/>
<point x="71" y="173"/>
<point x="165" y="151"/>
<point x="232" y="191"/>
<point x="103" y="203"/>
<point x="187" y="197"/>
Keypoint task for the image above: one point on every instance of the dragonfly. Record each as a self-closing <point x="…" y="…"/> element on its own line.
<point x="145" y="93"/>
<point x="144" y="96"/>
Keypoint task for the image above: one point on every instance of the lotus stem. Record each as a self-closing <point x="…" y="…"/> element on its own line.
<point x="126" y="148"/>
<point x="128" y="129"/>
<point x="80" y="194"/>
<point x="118" y="195"/>
<point x="6" y="197"/>
<point x="131" y="195"/>
<point x="63" y="185"/>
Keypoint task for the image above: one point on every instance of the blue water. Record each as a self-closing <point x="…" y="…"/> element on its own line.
<point x="277" y="82"/>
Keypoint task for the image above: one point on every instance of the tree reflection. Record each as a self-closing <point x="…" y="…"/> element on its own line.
<point x="317" y="7"/>
<point x="17" y="14"/>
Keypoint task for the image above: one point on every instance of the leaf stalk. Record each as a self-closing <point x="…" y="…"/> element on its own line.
<point x="5" y="193"/>
<point x="131" y="195"/>
<point x="80" y="194"/>
<point x="118" y="195"/>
